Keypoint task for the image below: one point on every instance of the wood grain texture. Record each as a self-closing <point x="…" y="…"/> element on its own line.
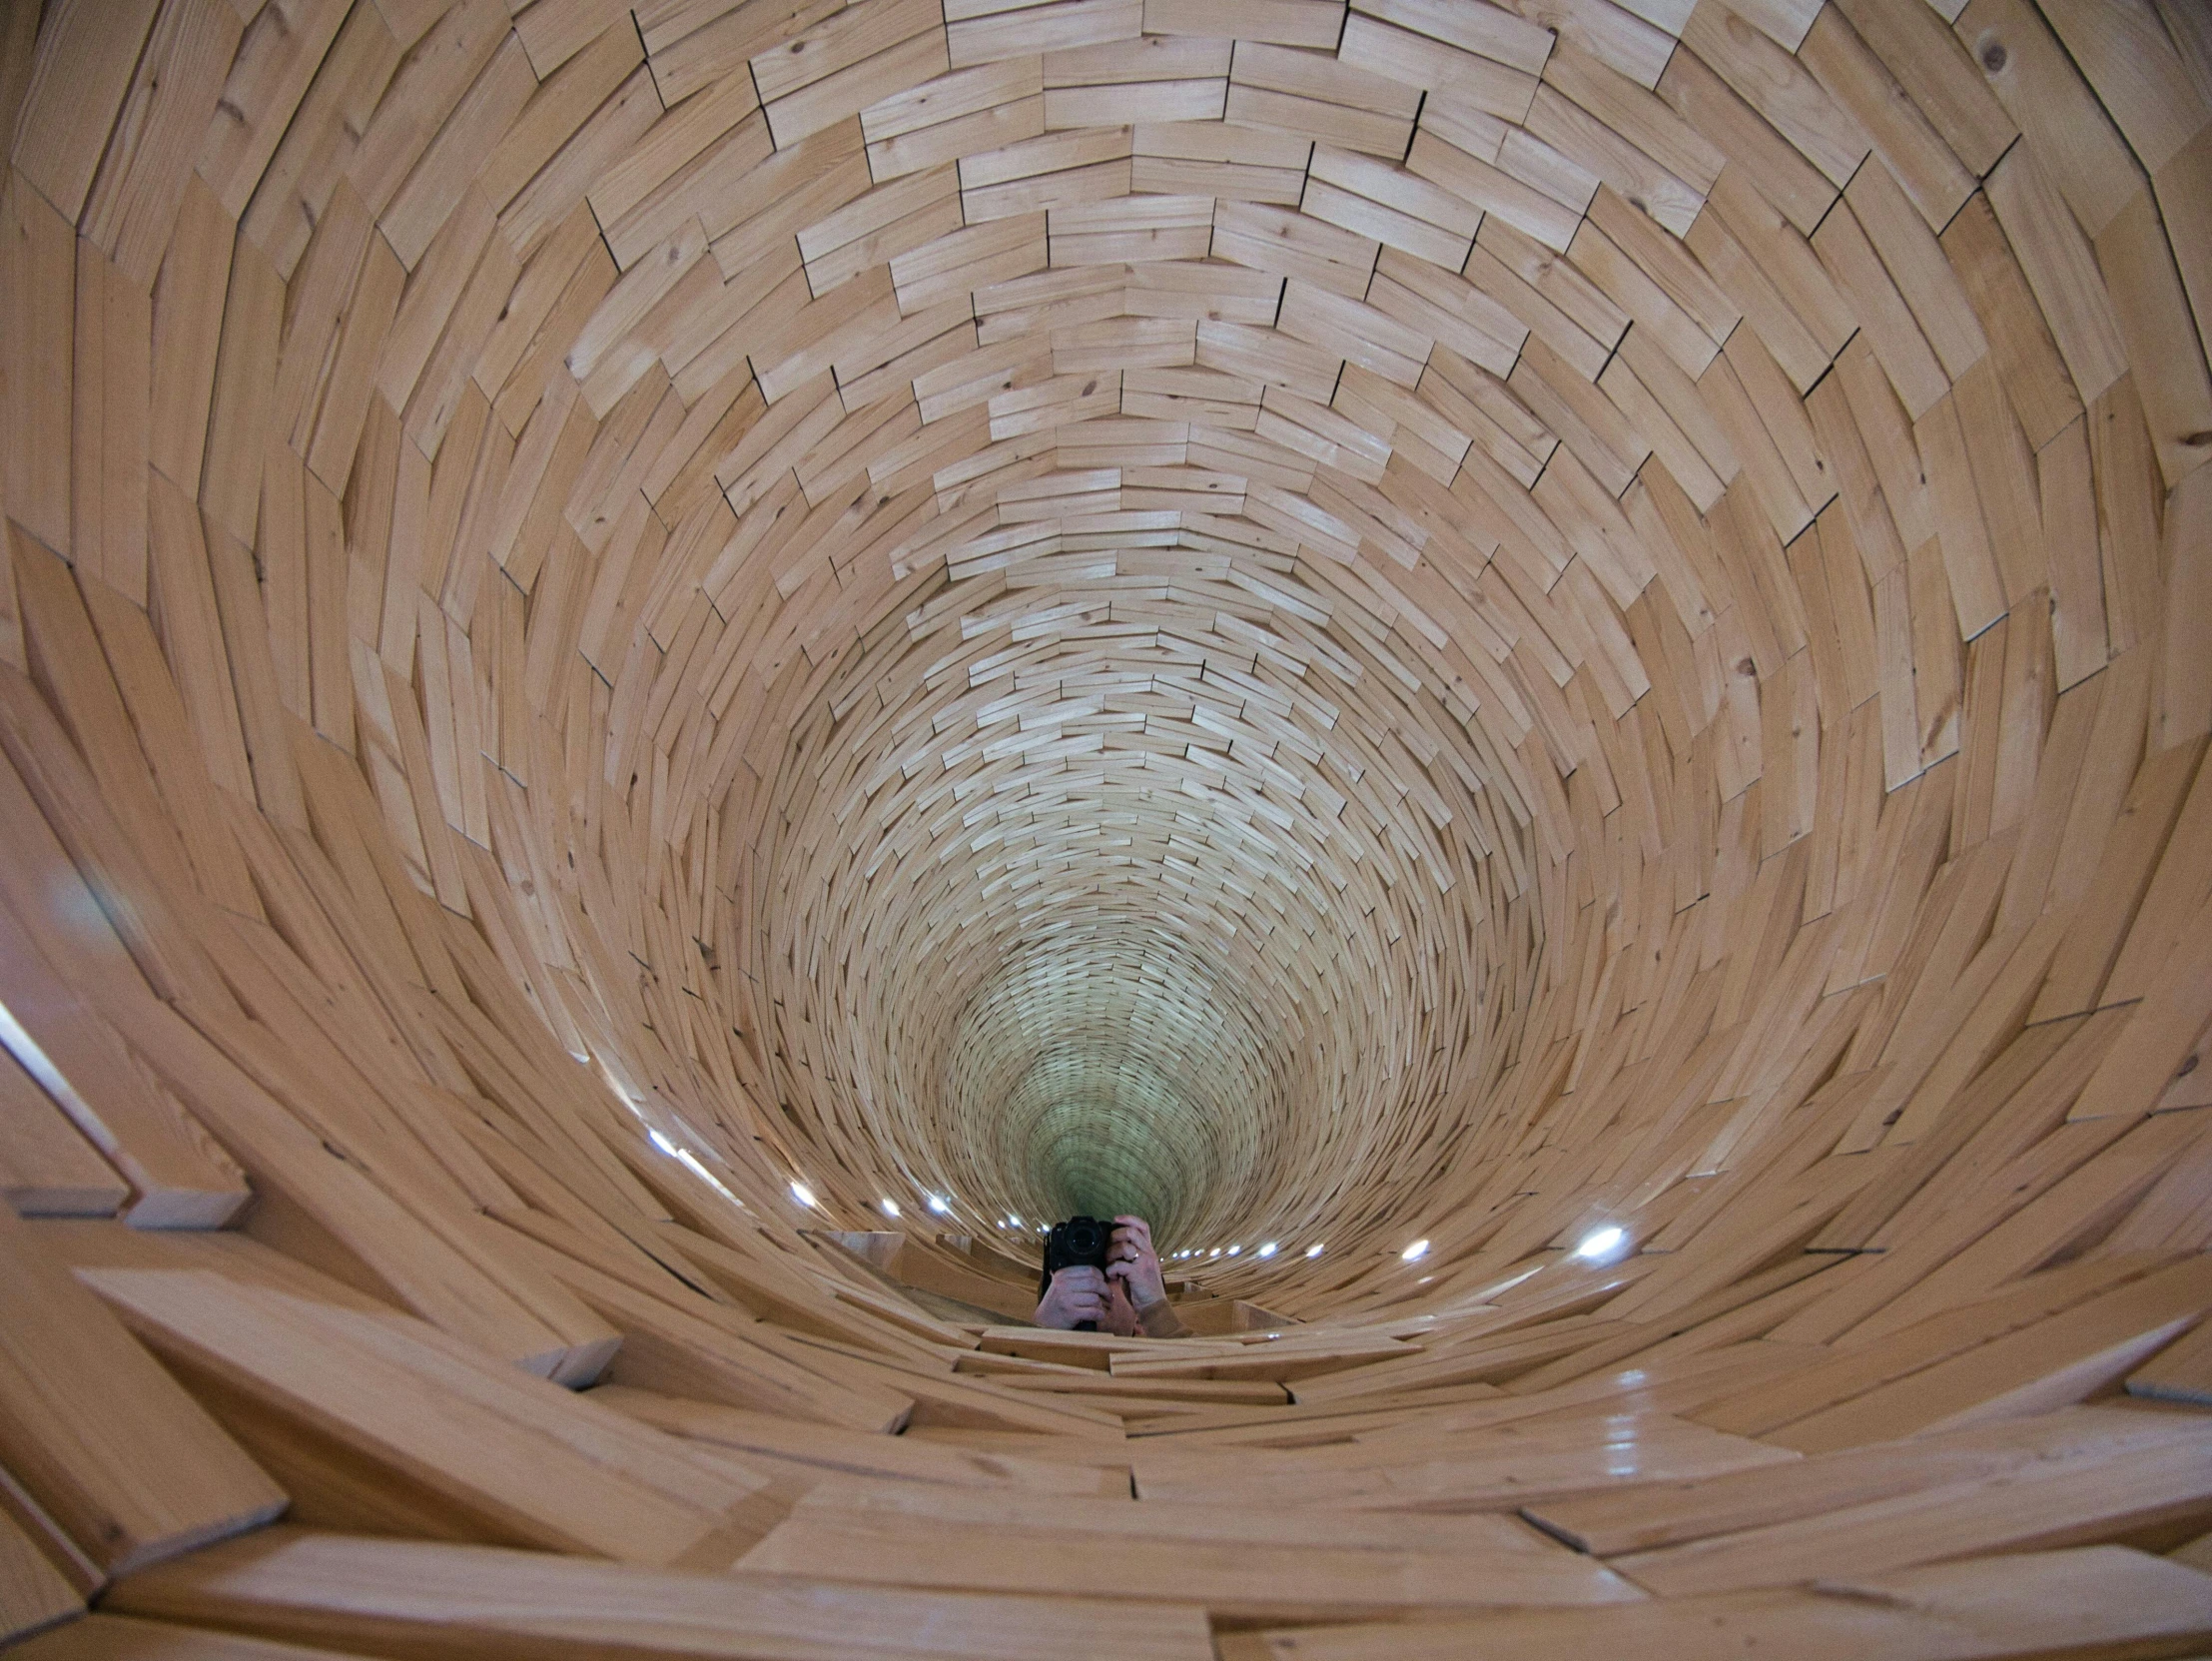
<point x="103" y="1440"/>
<point x="1530" y="670"/>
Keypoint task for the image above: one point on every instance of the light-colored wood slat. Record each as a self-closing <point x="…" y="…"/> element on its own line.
<point x="110" y="385"/>
<point x="1503" y="1469"/>
<point x="687" y="1350"/>
<point x="293" y="1583"/>
<point x="180" y="76"/>
<point x="187" y="331"/>
<point x="2035" y="377"/>
<point x="39" y="284"/>
<point x="2060" y="1359"/>
<point x="1279" y="22"/>
<point x="1648" y="1518"/>
<point x="1939" y="79"/>
<point x="2053" y="256"/>
<point x="1931" y="288"/>
<point x="1294" y="245"/>
<point x="1713" y="109"/>
<point x="180" y="1175"/>
<point x="38" y="1595"/>
<point x="1968" y="1610"/>
<point x="309" y="1384"/>
<point x="2178" y="186"/>
<point x="105" y="1441"/>
<point x="1891" y="331"/>
<point x="2129" y="61"/>
<point x="2131" y="1080"/>
<point x="1380" y="45"/>
<point x="46" y="1168"/>
<point x="855" y="1454"/>
<point x="884" y="1537"/>
<point x="78" y="83"/>
<point x="120" y="1638"/>
<point x="2149" y="303"/>
<point x="1769" y="79"/>
<point x="1771" y="273"/>
<point x="2046" y="1505"/>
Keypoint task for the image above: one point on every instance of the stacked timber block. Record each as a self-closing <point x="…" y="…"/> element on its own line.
<point x="1537" y="672"/>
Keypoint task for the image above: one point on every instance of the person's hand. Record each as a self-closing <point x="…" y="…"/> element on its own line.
<point x="1132" y="1261"/>
<point x="1121" y="1318"/>
<point x="1076" y="1294"/>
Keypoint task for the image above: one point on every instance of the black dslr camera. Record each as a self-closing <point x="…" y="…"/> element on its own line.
<point x="1079" y="1240"/>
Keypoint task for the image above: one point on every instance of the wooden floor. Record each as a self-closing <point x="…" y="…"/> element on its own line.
<point x="1538" y="671"/>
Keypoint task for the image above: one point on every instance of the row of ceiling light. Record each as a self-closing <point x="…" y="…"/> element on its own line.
<point x="1599" y="1246"/>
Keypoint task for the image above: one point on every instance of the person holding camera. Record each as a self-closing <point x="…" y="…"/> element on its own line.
<point x="1097" y="1281"/>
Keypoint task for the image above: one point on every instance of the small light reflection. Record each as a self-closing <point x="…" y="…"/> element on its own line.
<point x="1602" y="1244"/>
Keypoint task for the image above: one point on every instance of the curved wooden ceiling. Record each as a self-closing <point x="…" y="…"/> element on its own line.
<point x="1424" y="621"/>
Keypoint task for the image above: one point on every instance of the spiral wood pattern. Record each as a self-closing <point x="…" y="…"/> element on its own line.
<point x="1338" y="626"/>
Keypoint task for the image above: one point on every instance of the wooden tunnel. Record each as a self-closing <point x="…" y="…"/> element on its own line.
<point x="1536" y="671"/>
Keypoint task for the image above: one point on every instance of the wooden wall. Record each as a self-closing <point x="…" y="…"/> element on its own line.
<point x="1420" y="621"/>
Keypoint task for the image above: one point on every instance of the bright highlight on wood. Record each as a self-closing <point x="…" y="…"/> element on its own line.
<point x="669" y="670"/>
<point x="1601" y="1244"/>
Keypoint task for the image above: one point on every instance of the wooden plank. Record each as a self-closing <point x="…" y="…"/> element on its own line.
<point x="132" y="207"/>
<point x="1983" y="1607"/>
<point x="108" y="1442"/>
<point x="32" y="1593"/>
<point x="2179" y="1373"/>
<point x="79" y="80"/>
<point x="1769" y="79"/>
<point x="1504" y="1468"/>
<point x="2160" y="1035"/>
<point x="1882" y="1358"/>
<point x="2127" y="58"/>
<point x="38" y="291"/>
<point x="119" y="1638"/>
<point x="1891" y="331"/>
<point x="1234" y="1561"/>
<point x="1915" y="261"/>
<point x="2124" y="870"/>
<point x="46" y="1168"/>
<point x="2062" y="270"/>
<point x="690" y="1351"/>
<point x="1282" y="22"/>
<point x="110" y="385"/>
<point x="1649" y="1518"/>
<point x="1970" y="561"/>
<point x="1943" y="82"/>
<point x="2138" y="254"/>
<point x="380" y="1417"/>
<point x="2043" y="1506"/>
<point x="2035" y="376"/>
<point x="453" y="1601"/>
<point x="2059" y="1359"/>
<point x="181" y="1177"/>
<point x="1773" y="274"/>
<point x="855" y="1454"/>
<point x="1715" y="110"/>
